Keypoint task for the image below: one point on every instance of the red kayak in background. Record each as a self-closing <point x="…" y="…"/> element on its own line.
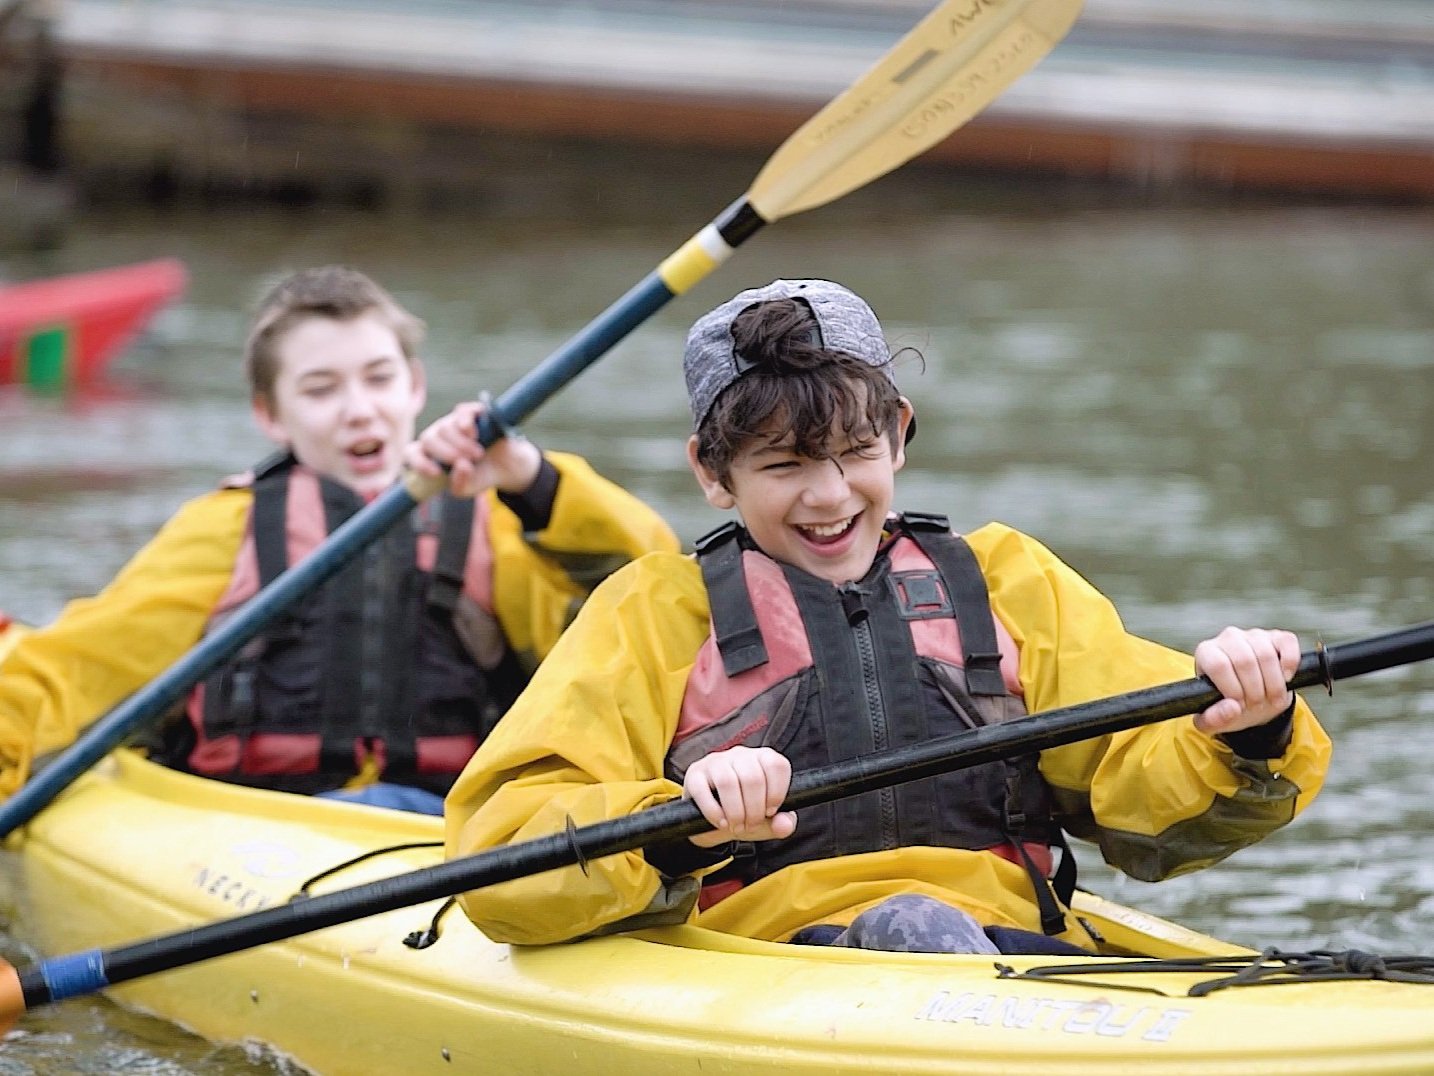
<point x="63" y="331"/>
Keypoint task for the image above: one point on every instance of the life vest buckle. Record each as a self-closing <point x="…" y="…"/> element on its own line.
<point x="713" y="538"/>
<point x="925" y="521"/>
<point x="921" y="595"/>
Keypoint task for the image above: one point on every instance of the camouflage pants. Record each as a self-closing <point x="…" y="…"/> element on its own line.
<point x="914" y="924"/>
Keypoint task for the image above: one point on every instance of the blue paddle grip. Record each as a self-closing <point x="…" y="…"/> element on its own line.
<point x="75" y="975"/>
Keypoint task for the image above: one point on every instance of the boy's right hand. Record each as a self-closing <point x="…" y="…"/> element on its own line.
<point x="451" y="442"/>
<point x="739" y="792"/>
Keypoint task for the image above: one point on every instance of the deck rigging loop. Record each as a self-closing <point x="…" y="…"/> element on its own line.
<point x="303" y="891"/>
<point x="1270" y="967"/>
<point x="416" y="939"/>
<point x="422" y="939"/>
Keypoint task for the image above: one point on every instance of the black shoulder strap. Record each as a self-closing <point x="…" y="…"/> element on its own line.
<point x="958" y="567"/>
<point x="455" y="533"/>
<point x="928" y="522"/>
<point x="273" y="463"/>
<point x="734" y="621"/>
<point x="271" y="509"/>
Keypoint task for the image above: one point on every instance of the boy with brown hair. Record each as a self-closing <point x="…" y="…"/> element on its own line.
<point x="380" y="684"/>
<point x="826" y="627"/>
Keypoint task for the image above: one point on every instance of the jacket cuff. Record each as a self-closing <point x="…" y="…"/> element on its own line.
<point x="1263" y="741"/>
<point x="673" y="859"/>
<point x="534" y="506"/>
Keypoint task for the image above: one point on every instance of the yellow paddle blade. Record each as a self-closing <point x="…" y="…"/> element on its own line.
<point x="954" y="63"/>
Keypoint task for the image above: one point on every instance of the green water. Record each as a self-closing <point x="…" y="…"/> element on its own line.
<point x="1220" y="414"/>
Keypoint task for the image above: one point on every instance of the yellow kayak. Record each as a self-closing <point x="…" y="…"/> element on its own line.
<point x="134" y="850"/>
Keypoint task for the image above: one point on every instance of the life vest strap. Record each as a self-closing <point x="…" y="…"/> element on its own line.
<point x="734" y="620"/>
<point x="975" y="621"/>
<point x="455" y="532"/>
<point x="270" y="512"/>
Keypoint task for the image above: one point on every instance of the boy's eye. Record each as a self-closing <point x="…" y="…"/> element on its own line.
<point x="317" y="390"/>
<point x="381" y="378"/>
<point x="780" y="465"/>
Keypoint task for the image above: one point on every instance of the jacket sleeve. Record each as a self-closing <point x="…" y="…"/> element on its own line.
<point x="586" y="742"/>
<point x="542" y="574"/>
<point x="100" y="650"/>
<point x="1159" y="800"/>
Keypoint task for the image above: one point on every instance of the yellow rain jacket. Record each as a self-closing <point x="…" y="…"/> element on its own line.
<point x="100" y="650"/>
<point x="588" y="739"/>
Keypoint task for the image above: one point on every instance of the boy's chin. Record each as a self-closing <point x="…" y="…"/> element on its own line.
<point x="369" y="485"/>
<point x="837" y="570"/>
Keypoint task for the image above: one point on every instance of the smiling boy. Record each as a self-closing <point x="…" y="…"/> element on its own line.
<point x="825" y="627"/>
<point x="379" y="685"/>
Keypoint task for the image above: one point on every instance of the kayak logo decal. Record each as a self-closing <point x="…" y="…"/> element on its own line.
<point x="264" y="859"/>
<point x="260" y="860"/>
<point x="235" y="892"/>
<point x="1066" y="1015"/>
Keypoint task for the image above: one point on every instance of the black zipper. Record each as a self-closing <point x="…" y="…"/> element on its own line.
<point x="859" y="618"/>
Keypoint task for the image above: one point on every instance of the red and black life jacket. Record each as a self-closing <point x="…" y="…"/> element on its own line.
<point x="826" y="673"/>
<point x="398" y="656"/>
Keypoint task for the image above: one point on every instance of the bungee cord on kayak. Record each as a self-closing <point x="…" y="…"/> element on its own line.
<point x="1269" y="967"/>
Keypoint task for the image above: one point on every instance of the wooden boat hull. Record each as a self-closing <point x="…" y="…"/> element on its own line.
<point x="133" y="850"/>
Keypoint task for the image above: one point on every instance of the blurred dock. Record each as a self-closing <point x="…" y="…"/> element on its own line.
<point x="1314" y="96"/>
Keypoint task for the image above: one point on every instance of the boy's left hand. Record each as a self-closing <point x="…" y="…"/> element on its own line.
<point x="511" y="464"/>
<point x="1250" y="667"/>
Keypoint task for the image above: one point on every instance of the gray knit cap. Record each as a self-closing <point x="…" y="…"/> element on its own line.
<point x="845" y="323"/>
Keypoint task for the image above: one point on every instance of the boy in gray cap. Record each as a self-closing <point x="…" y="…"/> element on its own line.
<point x="825" y="627"/>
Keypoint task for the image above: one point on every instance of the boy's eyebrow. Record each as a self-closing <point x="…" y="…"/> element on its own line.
<point x="833" y="443"/>
<point x="770" y="448"/>
<point x="369" y="364"/>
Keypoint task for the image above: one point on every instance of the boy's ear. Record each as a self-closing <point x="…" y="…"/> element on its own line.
<point x="904" y="419"/>
<point x="268" y="422"/>
<point x="718" y="496"/>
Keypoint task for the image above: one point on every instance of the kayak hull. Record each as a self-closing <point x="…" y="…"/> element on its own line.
<point x="134" y="851"/>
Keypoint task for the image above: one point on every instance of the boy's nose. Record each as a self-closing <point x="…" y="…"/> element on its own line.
<point x="828" y="485"/>
<point x="358" y="402"/>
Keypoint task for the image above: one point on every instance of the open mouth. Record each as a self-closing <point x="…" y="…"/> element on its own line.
<point x="367" y="457"/>
<point x="826" y="533"/>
